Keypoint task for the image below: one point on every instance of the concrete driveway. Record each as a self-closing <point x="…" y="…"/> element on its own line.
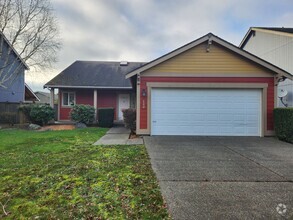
<point x="224" y="177"/>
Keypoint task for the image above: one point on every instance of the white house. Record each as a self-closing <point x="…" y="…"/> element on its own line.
<point x="274" y="45"/>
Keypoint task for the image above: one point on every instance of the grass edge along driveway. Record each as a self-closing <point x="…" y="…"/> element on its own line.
<point x="60" y="174"/>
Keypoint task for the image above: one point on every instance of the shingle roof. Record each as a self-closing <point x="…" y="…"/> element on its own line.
<point x="93" y="74"/>
<point x="280" y="29"/>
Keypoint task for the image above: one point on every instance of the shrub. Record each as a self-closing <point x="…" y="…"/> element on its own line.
<point x="283" y="122"/>
<point x="129" y="117"/>
<point x="26" y="109"/>
<point x="83" y="113"/>
<point x="41" y="114"/>
<point x="106" y="117"/>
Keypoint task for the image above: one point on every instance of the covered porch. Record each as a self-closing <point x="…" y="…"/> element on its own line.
<point x="118" y="99"/>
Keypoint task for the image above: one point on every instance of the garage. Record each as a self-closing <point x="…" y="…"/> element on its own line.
<point x="208" y="87"/>
<point x="208" y="112"/>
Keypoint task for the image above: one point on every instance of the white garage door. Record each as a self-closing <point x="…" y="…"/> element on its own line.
<point x="210" y="112"/>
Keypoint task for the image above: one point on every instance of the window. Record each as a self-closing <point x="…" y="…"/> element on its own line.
<point x="68" y="98"/>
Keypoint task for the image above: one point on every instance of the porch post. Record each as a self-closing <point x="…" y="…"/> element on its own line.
<point x="52" y="97"/>
<point x="95" y="103"/>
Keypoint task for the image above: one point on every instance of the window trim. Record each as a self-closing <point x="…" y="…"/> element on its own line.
<point x="68" y="94"/>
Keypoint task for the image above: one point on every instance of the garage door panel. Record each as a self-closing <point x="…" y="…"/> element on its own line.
<point x="205" y="112"/>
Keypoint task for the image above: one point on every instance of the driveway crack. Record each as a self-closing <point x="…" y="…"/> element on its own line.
<point x="255" y="162"/>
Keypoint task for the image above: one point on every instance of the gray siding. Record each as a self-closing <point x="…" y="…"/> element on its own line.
<point x="278" y="50"/>
<point x="15" y="86"/>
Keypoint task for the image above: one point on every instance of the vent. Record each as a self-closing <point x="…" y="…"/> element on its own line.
<point x="123" y="63"/>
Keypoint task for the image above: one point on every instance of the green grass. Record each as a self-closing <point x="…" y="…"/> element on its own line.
<point x="61" y="175"/>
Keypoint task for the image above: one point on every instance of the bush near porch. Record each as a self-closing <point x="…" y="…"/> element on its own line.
<point x="283" y="122"/>
<point x="61" y="175"/>
<point x="83" y="114"/>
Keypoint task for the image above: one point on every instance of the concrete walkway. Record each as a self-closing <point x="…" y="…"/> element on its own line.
<point x="118" y="135"/>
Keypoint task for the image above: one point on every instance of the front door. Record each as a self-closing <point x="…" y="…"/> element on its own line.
<point x="124" y="103"/>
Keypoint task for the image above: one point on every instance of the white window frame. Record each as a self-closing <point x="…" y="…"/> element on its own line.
<point x="68" y="95"/>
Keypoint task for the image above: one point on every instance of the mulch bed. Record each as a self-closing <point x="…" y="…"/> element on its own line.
<point x="57" y="127"/>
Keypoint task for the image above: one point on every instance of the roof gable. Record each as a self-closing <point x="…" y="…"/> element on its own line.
<point x="209" y="39"/>
<point x="13" y="49"/>
<point x="29" y="94"/>
<point x="270" y="30"/>
<point x="207" y="60"/>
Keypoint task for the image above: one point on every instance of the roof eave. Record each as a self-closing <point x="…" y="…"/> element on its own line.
<point x="16" y="53"/>
<point x="245" y="39"/>
<point x="30" y="90"/>
<point x="168" y="55"/>
<point x="86" y="87"/>
<point x="220" y="41"/>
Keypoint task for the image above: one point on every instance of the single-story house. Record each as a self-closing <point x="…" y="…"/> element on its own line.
<point x="206" y="87"/>
<point x="100" y="84"/>
<point x="29" y="95"/>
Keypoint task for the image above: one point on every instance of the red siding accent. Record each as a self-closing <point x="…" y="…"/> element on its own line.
<point x="108" y="99"/>
<point x="85" y="97"/>
<point x="82" y="96"/>
<point x="268" y="80"/>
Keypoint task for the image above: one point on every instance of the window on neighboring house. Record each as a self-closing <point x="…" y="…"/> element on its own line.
<point x="68" y="98"/>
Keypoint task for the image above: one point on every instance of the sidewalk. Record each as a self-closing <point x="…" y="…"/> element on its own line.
<point x="118" y="135"/>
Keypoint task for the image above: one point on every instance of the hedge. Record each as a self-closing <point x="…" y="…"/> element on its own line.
<point x="283" y="122"/>
<point x="106" y="117"/>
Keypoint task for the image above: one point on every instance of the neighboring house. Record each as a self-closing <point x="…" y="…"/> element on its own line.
<point x="274" y="45"/>
<point x="207" y="87"/>
<point x="100" y="84"/>
<point x="44" y="97"/>
<point x="12" y="69"/>
<point x="29" y="95"/>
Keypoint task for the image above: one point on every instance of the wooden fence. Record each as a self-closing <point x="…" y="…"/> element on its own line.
<point x="9" y="114"/>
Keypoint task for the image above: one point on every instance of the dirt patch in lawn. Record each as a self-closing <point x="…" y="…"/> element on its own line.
<point x="57" y="127"/>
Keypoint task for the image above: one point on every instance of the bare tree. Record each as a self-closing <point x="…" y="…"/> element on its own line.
<point x="32" y="29"/>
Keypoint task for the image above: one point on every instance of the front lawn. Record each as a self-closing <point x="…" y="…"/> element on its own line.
<point x="61" y="175"/>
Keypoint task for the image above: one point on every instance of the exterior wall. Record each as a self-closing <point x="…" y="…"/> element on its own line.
<point x="82" y="96"/>
<point x="105" y="99"/>
<point x="278" y="50"/>
<point x="197" y="61"/>
<point x="14" y="92"/>
<point x="143" y="101"/>
<point x="108" y="99"/>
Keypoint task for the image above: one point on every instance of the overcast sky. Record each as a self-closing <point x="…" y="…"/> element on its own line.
<point x="142" y="30"/>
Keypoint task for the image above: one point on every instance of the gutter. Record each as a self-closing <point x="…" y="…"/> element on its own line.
<point x="85" y="87"/>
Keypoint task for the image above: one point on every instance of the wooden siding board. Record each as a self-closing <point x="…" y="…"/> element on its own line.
<point x="15" y="90"/>
<point x="218" y="59"/>
<point x="108" y="99"/>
